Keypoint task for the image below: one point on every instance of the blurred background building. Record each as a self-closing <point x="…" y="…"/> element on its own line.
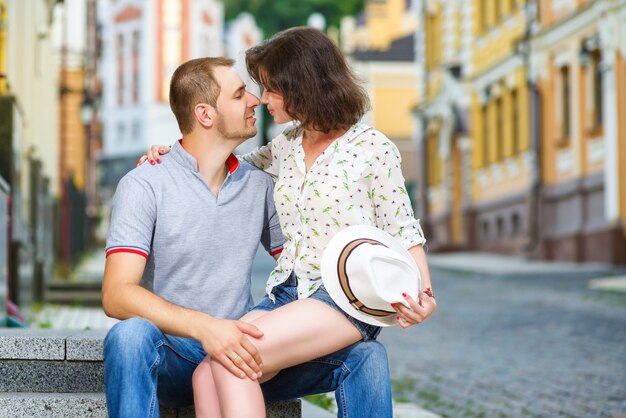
<point x="380" y="42"/>
<point x="510" y="115"/>
<point x="145" y="42"/>
<point x="29" y="151"/>
<point x="520" y="127"/>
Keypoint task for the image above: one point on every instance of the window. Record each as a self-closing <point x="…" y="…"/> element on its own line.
<point x="434" y="160"/>
<point x="485" y="134"/>
<point x="515" y="127"/>
<point x="120" y="69"/>
<point x="135" y="63"/>
<point x="500" y="140"/>
<point x="485" y="229"/>
<point x="433" y="39"/>
<point x="484" y="15"/>
<point x="498" y="10"/>
<point x="121" y="133"/>
<point x="136" y="131"/>
<point x="500" y="227"/>
<point x="597" y="97"/>
<point x="516" y="224"/>
<point x="565" y="106"/>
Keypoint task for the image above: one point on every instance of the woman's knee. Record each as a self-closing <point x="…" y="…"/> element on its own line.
<point x="202" y="372"/>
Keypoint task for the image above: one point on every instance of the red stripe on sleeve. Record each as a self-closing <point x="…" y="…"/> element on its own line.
<point x="277" y="251"/>
<point x="127" y="250"/>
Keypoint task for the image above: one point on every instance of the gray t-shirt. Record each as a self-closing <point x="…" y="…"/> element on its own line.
<point x="199" y="249"/>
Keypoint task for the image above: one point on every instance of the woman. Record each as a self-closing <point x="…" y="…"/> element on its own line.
<point x="331" y="172"/>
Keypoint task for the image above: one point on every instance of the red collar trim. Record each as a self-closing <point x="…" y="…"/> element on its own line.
<point x="233" y="162"/>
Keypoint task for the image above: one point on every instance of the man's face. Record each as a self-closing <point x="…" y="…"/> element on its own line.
<point x="235" y="106"/>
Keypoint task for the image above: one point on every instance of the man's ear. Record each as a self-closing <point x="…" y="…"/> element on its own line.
<point x="205" y="114"/>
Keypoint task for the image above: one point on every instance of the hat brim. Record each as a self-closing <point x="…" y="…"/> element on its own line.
<point x="331" y="280"/>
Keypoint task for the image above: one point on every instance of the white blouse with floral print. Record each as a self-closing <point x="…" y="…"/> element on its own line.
<point x="357" y="180"/>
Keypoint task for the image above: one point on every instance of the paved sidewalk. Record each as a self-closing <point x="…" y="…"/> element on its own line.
<point x="503" y="265"/>
<point x="609" y="284"/>
<point x="604" y="277"/>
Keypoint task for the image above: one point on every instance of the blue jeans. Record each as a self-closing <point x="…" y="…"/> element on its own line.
<point x="145" y="368"/>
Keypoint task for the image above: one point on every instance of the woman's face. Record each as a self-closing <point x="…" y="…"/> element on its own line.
<point x="274" y="102"/>
<point x="275" y="105"/>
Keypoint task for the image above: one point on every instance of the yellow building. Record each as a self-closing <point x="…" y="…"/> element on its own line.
<point x="380" y="45"/>
<point x="473" y="126"/>
<point x="521" y="127"/>
<point x="578" y="64"/>
<point x="441" y="124"/>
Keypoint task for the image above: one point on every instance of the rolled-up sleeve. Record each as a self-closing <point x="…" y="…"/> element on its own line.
<point x="272" y="237"/>
<point x="392" y="206"/>
<point x="133" y="218"/>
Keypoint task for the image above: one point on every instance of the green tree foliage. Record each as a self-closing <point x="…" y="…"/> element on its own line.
<point x="275" y="15"/>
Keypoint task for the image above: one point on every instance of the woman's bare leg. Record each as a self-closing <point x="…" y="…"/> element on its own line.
<point x="241" y="398"/>
<point x="297" y="332"/>
<point x="205" y="399"/>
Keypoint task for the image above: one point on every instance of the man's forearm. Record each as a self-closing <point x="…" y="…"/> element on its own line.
<point x="131" y="300"/>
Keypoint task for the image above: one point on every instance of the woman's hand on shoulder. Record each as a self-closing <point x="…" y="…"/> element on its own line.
<point x="153" y="154"/>
<point x="419" y="309"/>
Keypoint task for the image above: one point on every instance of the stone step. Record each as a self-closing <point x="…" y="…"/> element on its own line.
<point x="59" y="373"/>
<point x="46" y="344"/>
<point x="51" y="376"/>
<point x="93" y="405"/>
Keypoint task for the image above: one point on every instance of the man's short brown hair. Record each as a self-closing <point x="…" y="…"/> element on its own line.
<point x="194" y="82"/>
<point x="312" y="75"/>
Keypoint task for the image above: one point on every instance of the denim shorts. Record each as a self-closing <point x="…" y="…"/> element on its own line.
<point x="288" y="292"/>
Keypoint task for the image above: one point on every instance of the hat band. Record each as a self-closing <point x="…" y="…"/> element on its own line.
<point x="344" y="283"/>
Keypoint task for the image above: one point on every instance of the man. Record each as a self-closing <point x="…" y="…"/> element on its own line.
<point x="179" y="257"/>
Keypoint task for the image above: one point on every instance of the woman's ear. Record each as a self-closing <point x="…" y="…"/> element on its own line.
<point x="205" y="114"/>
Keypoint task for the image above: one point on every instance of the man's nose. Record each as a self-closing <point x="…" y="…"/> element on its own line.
<point x="254" y="100"/>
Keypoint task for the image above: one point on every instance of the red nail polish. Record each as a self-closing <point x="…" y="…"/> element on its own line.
<point x="159" y="160"/>
<point x="152" y="162"/>
<point x="404" y="295"/>
<point x="398" y="318"/>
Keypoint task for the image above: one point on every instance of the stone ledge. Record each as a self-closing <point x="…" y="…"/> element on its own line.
<point x="35" y="344"/>
<point x="42" y="372"/>
<point x="86" y="346"/>
<point x="46" y="344"/>
<point x="50" y="376"/>
<point x="93" y="405"/>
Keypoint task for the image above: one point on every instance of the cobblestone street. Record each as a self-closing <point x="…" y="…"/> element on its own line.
<point x="536" y="346"/>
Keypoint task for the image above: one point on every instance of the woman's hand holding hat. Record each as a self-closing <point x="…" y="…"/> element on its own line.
<point x="419" y="309"/>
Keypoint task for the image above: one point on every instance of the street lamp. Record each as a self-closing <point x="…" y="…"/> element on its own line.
<point x="86" y="112"/>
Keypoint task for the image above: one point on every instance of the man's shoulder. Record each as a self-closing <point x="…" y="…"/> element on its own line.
<point x="143" y="178"/>
<point x="254" y="173"/>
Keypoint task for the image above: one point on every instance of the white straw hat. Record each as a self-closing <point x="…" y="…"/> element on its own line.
<point x="365" y="270"/>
